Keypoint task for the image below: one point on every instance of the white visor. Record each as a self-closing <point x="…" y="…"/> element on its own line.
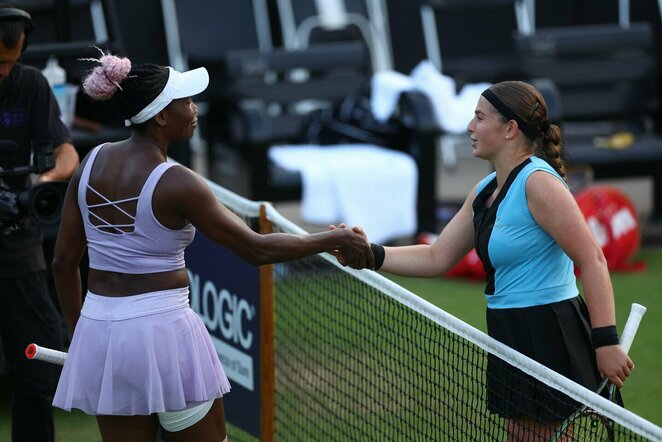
<point x="179" y="85"/>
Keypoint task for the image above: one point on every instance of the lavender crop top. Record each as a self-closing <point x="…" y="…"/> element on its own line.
<point x="144" y="246"/>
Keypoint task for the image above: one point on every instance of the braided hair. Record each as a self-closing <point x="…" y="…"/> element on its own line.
<point x="529" y="105"/>
<point x="131" y="87"/>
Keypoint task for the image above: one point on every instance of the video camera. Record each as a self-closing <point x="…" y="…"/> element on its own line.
<point x="42" y="202"/>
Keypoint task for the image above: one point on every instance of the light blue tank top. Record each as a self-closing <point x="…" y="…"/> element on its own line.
<point x="529" y="267"/>
<point x="143" y="246"/>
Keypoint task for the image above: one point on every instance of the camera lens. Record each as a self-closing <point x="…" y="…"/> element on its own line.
<point x="46" y="201"/>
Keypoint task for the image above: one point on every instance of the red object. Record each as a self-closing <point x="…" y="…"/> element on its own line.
<point x="30" y="351"/>
<point x="470" y="267"/>
<point x="612" y="218"/>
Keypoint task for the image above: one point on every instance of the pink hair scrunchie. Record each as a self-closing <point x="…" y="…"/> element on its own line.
<point x="104" y="80"/>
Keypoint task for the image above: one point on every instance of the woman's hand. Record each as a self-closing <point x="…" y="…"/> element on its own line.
<point x="357" y="258"/>
<point x="614" y="364"/>
<point x="357" y="229"/>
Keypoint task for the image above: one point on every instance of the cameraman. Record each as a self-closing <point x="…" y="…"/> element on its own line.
<point x="29" y="115"/>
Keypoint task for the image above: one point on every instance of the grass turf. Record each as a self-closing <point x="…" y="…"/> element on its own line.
<point x="463" y="299"/>
<point x="644" y="388"/>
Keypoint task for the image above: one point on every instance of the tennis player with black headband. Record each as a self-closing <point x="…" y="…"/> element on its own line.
<point x="29" y="116"/>
<point x="528" y="232"/>
<point x="139" y="355"/>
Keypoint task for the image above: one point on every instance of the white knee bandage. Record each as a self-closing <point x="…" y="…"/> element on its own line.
<point x="172" y="421"/>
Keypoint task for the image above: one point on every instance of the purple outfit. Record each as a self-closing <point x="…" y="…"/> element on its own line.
<point x="149" y="248"/>
<point x="140" y="354"/>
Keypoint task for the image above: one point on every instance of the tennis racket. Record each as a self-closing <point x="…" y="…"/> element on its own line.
<point x="33" y="351"/>
<point x="586" y="424"/>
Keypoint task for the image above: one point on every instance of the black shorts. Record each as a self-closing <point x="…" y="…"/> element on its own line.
<point x="557" y="335"/>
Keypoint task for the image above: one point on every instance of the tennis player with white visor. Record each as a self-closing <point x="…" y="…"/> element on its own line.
<point x="140" y="357"/>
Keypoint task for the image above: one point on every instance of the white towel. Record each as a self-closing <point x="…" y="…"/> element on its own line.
<point x="357" y="184"/>
<point x="386" y="87"/>
<point x="452" y="110"/>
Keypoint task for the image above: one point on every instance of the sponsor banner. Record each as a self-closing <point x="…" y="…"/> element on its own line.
<point x="225" y="293"/>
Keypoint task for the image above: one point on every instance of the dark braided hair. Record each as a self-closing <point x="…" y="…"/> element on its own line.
<point x="528" y="103"/>
<point x="144" y="83"/>
<point x="130" y="87"/>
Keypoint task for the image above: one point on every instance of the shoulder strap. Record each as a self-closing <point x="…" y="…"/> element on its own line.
<point x="85" y="176"/>
<point x="145" y="200"/>
<point x="540" y="164"/>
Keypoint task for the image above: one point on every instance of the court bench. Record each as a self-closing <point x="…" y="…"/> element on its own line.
<point x="641" y="158"/>
<point x="598" y="81"/>
<point x="259" y="99"/>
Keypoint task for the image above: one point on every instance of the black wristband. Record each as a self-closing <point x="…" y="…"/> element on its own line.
<point x="379" y="253"/>
<point x="603" y="336"/>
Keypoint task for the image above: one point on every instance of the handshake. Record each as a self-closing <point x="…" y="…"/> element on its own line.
<point x="355" y="251"/>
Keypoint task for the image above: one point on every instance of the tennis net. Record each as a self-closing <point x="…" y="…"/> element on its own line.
<point x="360" y="358"/>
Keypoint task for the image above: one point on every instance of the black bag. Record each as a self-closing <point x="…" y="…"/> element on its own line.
<point x="352" y="121"/>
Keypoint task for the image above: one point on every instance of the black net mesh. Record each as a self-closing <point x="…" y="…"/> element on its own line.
<point x="352" y="363"/>
<point x="355" y="364"/>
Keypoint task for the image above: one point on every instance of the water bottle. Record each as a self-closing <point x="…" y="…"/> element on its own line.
<point x="54" y="73"/>
<point x="65" y="94"/>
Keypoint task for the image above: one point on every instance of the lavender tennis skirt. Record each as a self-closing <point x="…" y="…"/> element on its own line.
<point x="138" y="355"/>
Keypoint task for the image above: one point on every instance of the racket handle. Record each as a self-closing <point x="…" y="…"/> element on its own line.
<point x="627" y="336"/>
<point x="33" y="351"/>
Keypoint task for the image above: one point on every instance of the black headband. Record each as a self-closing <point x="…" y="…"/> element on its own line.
<point x="504" y="110"/>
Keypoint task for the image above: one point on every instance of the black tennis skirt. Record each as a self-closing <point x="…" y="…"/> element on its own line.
<point x="557" y="335"/>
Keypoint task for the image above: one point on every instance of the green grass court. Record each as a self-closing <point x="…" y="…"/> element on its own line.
<point x="643" y="390"/>
<point x="463" y="299"/>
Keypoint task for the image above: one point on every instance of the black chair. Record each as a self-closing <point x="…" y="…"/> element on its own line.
<point x="471" y="40"/>
<point x="261" y="98"/>
<point x="603" y="72"/>
<point x="605" y="79"/>
<point x="302" y="22"/>
<point x="259" y="95"/>
<point x="264" y="94"/>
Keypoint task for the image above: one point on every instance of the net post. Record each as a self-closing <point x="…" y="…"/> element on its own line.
<point x="267" y="342"/>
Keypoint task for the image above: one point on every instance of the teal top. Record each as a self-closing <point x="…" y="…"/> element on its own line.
<point x="524" y="264"/>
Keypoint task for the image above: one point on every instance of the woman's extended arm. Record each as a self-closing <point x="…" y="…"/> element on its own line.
<point x="454" y="242"/>
<point x="197" y="204"/>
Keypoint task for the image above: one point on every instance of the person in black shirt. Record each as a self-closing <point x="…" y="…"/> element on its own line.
<point x="29" y="115"/>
